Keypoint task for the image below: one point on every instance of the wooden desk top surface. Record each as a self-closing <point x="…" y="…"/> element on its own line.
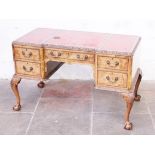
<point x="85" y="41"/>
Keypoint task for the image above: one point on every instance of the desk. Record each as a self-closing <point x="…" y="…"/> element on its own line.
<point x="38" y="54"/>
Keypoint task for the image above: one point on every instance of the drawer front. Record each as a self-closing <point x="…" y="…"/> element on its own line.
<point x="27" y="68"/>
<point x="113" y="63"/>
<point x="112" y="79"/>
<point x="27" y="53"/>
<point x="82" y="57"/>
<point x="50" y="53"/>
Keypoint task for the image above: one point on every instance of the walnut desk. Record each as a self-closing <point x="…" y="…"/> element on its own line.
<point x="38" y="54"/>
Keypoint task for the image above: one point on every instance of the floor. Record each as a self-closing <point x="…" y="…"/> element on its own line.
<point x="73" y="107"/>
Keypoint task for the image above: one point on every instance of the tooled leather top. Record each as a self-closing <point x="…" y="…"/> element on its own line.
<point x="78" y="40"/>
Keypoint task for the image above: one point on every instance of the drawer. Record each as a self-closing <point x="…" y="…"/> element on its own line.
<point x="27" y="53"/>
<point x="82" y="57"/>
<point x="112" y="79"/>
<point x="51" y="53"/>
<point x="117" y="63"/>
<point x="27" y="68"/>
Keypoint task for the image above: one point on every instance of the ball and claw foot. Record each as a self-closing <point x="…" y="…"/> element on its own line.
<point x="41" y="84"/>
<point x="128" y="126"/>
<point x="137" y="98"/>
<point x="17" y="107"/>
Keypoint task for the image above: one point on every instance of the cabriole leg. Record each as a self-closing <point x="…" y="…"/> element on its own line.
<point x="129" y="99"/>
<point x="137" y="96"/>
<point x="14" y="85"/>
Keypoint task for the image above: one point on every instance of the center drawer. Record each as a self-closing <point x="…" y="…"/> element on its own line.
<point x="81" y="57"/>
<point x="27" y="68"/>
<point x="27" y="53"/>
<point x="112" y="79"/>
<point x="52" y="53"/>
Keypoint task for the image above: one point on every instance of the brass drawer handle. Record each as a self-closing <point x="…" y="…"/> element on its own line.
<point x="82" y="58"/>
<point x="26" y="55"/>
<point x="112" y="81"/>
<point x="51" y="53"/>
<point x="116" y="63"/>
<point x="86" y="57"/>
<point x="78" y="56"/>
<point x="59" y="54"/>
<point x="55" y="55"/>
<point x="28" y="70"/>
<point x="112" y="65"/>
<point x="108" y="62"/>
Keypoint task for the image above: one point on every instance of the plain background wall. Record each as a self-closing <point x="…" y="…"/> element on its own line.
<point x="12" y="29"/>
<point x="124" y="17"/>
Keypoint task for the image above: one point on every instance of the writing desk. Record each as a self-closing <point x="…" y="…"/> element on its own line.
<point x="38" y="54"/>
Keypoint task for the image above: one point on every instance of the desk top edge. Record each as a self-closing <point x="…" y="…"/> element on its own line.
<point x="97" y="42"/>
